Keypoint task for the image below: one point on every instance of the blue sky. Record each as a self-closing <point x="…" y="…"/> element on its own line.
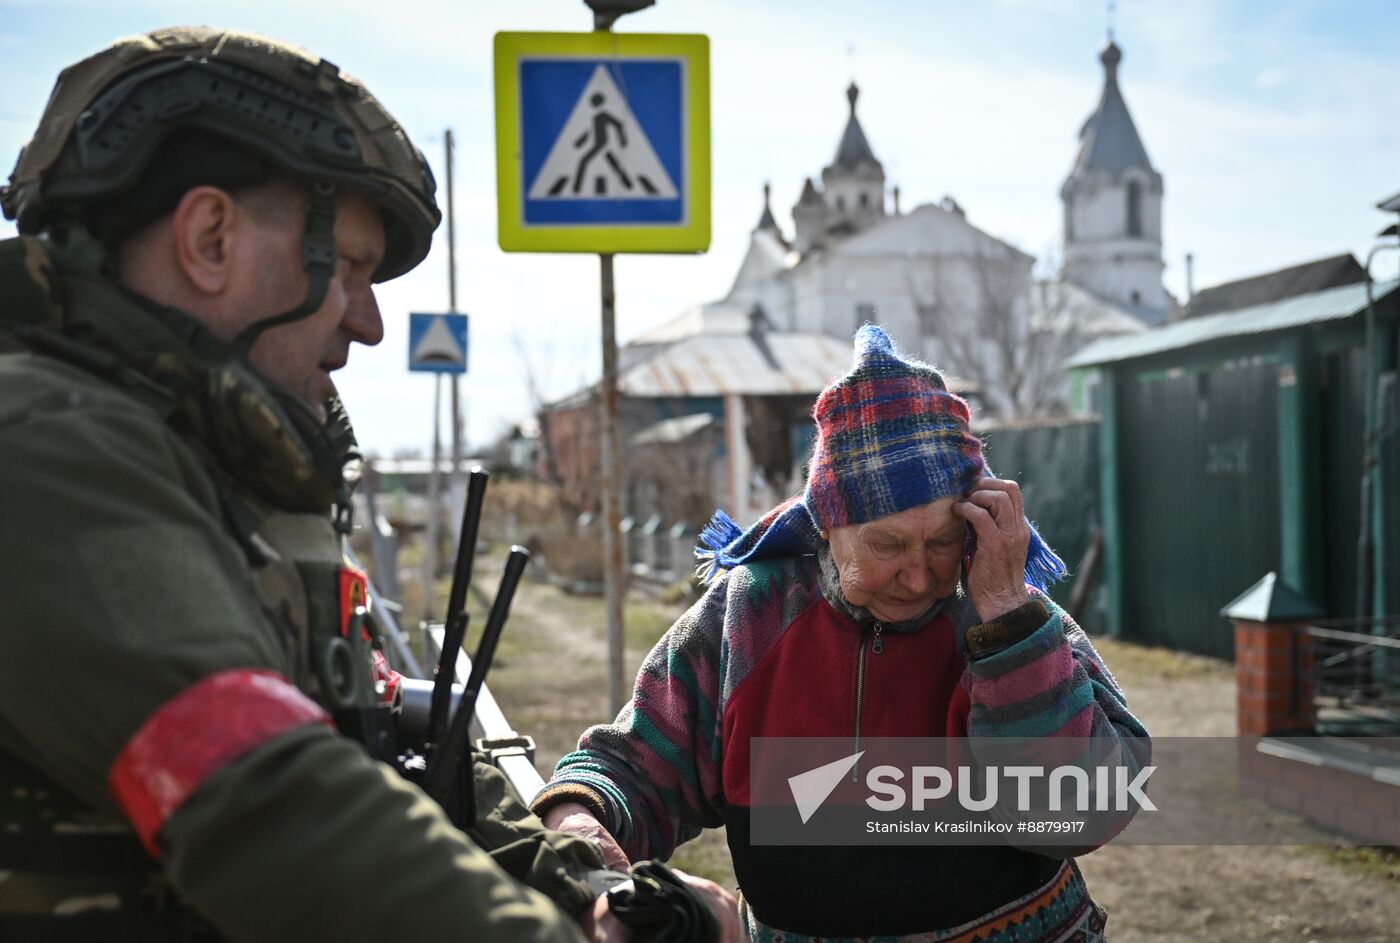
<point x="1273" y="124"/>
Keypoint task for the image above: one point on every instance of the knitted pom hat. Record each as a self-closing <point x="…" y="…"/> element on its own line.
<point x="889" y="437"/>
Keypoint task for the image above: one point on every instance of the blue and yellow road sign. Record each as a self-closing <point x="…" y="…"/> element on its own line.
<point x="603" y="142"/>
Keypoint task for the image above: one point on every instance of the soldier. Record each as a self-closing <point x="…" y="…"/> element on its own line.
<point x="202" y="217"/>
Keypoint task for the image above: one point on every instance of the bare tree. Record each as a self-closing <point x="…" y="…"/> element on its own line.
<point x="994" y="324"/>
<point x="564" y="437"/>
<point x="1060" y="325"/>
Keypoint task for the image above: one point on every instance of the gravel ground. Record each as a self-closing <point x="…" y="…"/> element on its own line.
<point x="549" y="680"/>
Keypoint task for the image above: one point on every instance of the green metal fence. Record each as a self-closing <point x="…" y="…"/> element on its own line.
<point x="1056" y="464"/>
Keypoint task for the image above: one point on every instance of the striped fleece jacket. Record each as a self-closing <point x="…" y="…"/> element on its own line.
<point x="774" y="650"/>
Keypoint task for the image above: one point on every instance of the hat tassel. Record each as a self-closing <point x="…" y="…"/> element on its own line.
<point x="719" y="533"/>
<point x="1043" y="565"/>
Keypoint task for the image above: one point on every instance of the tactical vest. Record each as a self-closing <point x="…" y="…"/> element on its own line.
<point x="58" y="858"/>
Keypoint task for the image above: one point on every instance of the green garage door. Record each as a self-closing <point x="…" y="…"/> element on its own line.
<point x="1200" y="499"/>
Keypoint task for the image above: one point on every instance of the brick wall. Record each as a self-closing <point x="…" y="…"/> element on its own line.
<point x="1336" y="799"/>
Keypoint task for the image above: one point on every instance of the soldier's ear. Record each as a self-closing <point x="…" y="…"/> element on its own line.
<point x="203" y="226"/>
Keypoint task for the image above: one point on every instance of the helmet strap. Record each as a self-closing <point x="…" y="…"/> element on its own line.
<point x="318" y="256"/>
<point x="82" y="251"/>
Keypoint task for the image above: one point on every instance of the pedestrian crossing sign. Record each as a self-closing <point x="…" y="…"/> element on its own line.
<point x="602" y="142"/>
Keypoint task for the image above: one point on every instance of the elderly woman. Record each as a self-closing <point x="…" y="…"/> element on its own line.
<point x="861" y="605"/>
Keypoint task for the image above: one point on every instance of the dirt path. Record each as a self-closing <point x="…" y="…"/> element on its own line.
<point x="550" y="680"/>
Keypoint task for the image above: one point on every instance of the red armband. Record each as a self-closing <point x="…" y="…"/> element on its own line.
<point x="195" y="734"/>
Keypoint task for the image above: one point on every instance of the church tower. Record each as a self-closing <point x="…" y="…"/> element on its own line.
<point x="852" y="195"/>
<point x="854" y="183"/>
<point x="1113" y="208"/>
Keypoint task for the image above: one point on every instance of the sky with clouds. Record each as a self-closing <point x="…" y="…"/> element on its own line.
<point x="1273" y="125"/>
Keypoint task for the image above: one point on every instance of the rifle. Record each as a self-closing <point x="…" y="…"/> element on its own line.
<point x="444" y="765"/>
<point x="448" y="779"/>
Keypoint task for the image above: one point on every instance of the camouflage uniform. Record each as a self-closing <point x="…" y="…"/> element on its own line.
<point x="174" y="605"/>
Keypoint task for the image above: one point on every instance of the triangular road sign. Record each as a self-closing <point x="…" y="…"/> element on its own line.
<point x="810" y="789"/>
<point x="438" y="345"/>
<point x="602" y="152"/>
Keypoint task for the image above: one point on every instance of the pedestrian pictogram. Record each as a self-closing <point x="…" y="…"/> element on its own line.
<point x="602" y="151"/>
<point x="437" y="343"/>
<point x="602" y="142"/>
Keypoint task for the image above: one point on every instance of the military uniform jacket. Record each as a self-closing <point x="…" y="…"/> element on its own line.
<point x="156" y="685"/>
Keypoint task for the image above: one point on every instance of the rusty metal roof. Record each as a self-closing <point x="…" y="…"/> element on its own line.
<point x="1332" y="304"/>
<point x="1303" y="279"/>
<point x="763" y="363"/>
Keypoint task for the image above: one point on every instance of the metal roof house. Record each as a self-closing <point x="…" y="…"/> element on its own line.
<point x="1230" y="446"/>
<point x="1273" y="286"/>
<point x="713" y="397"/>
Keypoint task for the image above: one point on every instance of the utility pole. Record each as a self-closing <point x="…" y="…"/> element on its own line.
<point x="434" y="522"/>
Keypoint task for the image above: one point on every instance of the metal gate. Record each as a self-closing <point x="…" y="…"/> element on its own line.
<point x="1200" y="498"/>
<point x="1343" y="389"/>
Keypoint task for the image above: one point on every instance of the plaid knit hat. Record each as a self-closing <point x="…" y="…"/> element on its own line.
<point x="889" y="437"/>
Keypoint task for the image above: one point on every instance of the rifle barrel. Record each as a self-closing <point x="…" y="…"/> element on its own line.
<point x="455" y="624"/>
<point x="466" y="541"/>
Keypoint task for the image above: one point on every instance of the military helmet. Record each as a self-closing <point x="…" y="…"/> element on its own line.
<point x="110" y="114"/>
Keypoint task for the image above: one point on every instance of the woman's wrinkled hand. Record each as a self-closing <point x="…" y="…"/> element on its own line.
<point x="575" y="819"/>
<point x="996" y="581"/>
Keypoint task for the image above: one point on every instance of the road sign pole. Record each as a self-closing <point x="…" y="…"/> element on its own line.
<point x="456" y="487"/>
<point x="613" y="586"/>
<point x="430" y="549"/>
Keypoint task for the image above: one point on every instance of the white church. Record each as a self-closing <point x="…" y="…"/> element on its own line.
<point x="954" y="294"/>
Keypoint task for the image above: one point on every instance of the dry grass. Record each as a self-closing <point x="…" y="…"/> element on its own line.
<point x="1365" y="861"/>
<point x="1131" y="662"/>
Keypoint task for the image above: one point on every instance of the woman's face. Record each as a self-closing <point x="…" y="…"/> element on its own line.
<point x="899" y="566"/>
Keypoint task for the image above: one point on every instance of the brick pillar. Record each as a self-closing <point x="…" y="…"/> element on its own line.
<point x="1273" y="678"/>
